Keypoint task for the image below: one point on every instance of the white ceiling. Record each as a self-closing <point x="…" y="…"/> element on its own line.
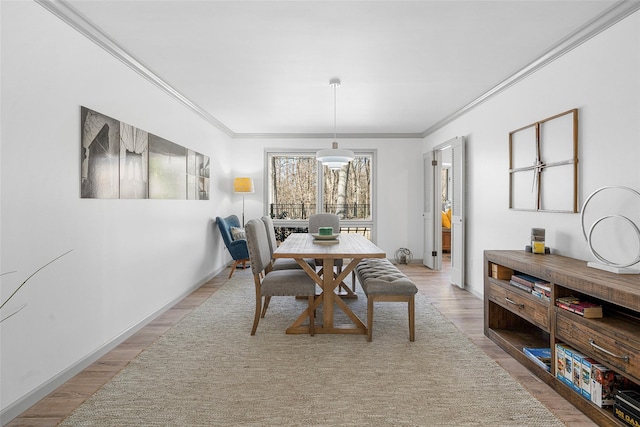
<point x="263" y="67"/>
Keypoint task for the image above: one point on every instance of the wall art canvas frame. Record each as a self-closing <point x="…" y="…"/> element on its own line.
<point x="121" y="161"/>
<point x="100" y="156"/>
<point x="543" y="165"/>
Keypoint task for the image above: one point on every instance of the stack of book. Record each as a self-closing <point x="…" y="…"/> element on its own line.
<point x="542" y="290"/>
<point x="528" y="283"/>
<point x="583" y="308"/>
<point x="589" y="378"/>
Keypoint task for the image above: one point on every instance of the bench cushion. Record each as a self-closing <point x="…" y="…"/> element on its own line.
<point x="381" y="277"/>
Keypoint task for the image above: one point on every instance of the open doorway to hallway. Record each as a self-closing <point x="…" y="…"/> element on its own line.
<point x="443" y="214"/>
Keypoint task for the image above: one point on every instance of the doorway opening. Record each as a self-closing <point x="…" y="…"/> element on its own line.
<point x="444" y="177"/>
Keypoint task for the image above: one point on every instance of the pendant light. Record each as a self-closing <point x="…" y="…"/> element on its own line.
<point x="334" y="158"/>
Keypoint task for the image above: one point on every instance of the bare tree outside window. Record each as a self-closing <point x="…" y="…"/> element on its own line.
<point x="347" y="191"/>
<point x="293" y="186"/>
<point x="297" y="183"/>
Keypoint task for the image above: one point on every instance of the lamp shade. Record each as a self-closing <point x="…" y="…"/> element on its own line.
<point x="334" y="158"/>
<point x="243" y="185"/>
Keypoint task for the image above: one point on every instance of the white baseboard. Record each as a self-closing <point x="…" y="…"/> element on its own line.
<point x="19" y="406"/>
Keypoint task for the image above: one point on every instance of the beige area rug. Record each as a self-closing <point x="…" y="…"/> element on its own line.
<point x="209" y="371"/>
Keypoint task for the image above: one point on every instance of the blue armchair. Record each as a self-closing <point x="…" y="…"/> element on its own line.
<point x="237" y="248"/>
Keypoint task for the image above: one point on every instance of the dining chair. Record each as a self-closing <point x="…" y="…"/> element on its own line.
<point x="274" y="283"/>
<point x="329" y="220"/>
<point x="281" y="263"/>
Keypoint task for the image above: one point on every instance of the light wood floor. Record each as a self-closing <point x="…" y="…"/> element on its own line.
<point x="460" y="307"/>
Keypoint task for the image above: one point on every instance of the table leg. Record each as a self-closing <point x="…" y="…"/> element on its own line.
<point x="328" y="286"/>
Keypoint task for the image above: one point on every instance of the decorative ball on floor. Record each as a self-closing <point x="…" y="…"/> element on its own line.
<point x="403" y="256"/>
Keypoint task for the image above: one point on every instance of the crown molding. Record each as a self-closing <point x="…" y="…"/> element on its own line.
<point x="79" y="22"/>
<point x="606" y="19"/>
<point x="328" y="135"/>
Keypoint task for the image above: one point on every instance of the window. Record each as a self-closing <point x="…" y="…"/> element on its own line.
<point x="298" y="186"/>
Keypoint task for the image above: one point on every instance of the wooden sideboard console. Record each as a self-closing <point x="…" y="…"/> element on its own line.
<point x="515" y="319"/>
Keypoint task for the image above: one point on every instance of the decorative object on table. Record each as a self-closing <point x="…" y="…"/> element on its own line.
<point x="403" y="256"/>
<point x="3" y="318"/>
<point x="605" y="263"/>
<point x="334" y="158"/>
<point x="237" y="248"/>
<point x="552" y="144"/>
<point x="537" y="240"/>
<point x="325" y="231"/>
<point x="325" y="237"/>
<point x="122" y="161"/>
<point x="243" y="186"/>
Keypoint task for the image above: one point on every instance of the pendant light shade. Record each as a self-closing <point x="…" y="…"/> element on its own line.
<point x="334" y="158"/>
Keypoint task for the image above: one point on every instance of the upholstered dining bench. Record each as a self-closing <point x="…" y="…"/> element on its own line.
<point x="382" y="281"/>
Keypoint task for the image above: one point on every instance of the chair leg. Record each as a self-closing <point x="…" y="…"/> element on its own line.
<point x="370" y="319"/>
<point x="312" y="327"/>
<point x="256" y="317"/>
<point x="412" y="320"/>
<point x="233" y="268"/>
<point x="353" y="281"/>
<point x="266" y="305"/>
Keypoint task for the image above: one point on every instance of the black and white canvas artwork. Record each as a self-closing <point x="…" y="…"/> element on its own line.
<point x="121" y="161"/>
<point x="197" y="176"/>
<point x="203" y="176"/>
<point x="192" y="179"/>
<point x="100" y="163"/>
<point x="167" y="169"/>
<point x="134" y="162"/>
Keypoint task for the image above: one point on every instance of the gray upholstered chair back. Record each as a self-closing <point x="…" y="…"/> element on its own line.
<point x="271" y="233"/>
<point x="258" y="244"/>
<point x="324" y="220"/>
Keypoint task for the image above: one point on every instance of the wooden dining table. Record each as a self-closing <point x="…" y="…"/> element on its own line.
<point x="354" y="247"/>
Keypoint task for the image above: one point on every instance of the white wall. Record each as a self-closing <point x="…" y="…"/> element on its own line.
<point x="130" y="257"/>
<point x="399" y="178"/>
<point x="602" y="79"/>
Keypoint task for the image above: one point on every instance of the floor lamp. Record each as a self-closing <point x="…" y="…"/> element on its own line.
<point x="243" y="186"/>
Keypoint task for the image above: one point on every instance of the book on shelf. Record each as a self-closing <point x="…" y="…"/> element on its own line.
<point x="586" y="309"/>
<point x="541" y="356"/>
<point x="541" y="295"/>
<point x="528" y="280"/>
<point x="545" y="289"/>
<point x="520" y="286"/>
<point x="604" y="382"/>
<point x="629" y="398"/>
<point x="567" y="377"/>
<point x="627" y="407"/>
<point x="626" y="415"/>
<point x="500" y="272"/>
<point x="585" y="381"/>
<point x="560" y="360"/>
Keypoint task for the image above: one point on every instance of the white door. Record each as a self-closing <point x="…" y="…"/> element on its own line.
<point x="457" y="211"/>
<point x="432" y="221"/>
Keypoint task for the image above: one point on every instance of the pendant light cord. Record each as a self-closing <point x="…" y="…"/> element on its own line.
<point x="335" y="114"/>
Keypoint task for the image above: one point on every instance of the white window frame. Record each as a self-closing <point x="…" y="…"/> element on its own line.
<point x="371" y="224"/>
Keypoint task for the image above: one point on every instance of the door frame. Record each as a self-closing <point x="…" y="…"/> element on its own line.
<point x="434" y="222"/>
